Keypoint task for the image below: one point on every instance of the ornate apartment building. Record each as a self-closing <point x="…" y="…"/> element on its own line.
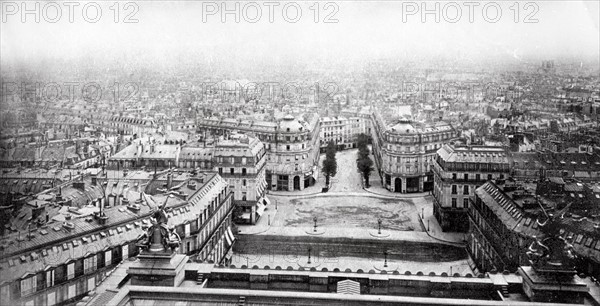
<point x="56" y="262"/>
<point x="458" y="171"/>
<point x="339" y="130"/>
<point x="292" y="147"/>
<point x="241" y="161"/>
<point x="405" y="152"/>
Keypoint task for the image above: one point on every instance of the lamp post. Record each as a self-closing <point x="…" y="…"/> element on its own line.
<point x="428" y="225"/>
<point x="315" y="220"/>
<point x="422" y="212"/>
<point x="379" y="225"/>
<point x="385" y="258"/>
<point x="309" y="250"/>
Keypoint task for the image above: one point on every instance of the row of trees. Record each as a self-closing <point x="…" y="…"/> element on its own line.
<point x="364" y="163"/>
<point x="330" y="163"/>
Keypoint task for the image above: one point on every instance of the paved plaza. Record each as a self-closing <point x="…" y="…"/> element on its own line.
<point x="352" y="212"/>
<point x="348" y="206"/>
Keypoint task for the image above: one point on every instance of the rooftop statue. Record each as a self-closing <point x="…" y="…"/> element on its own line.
<point x="552" y="253"/>
<point x="160" y="238"/>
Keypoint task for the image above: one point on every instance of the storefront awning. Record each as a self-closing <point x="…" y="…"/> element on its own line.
<point x="228" y="239"/>
<point x="260" y="209"/>
<point x="230" y="234"/>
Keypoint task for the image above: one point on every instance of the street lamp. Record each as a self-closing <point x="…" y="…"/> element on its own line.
<point x="379" y="225"/>
<point x="315" y="220"/>
<point x="428" y="225"/>
<point x="309" y="249"/>
<point x="385" y="258"/>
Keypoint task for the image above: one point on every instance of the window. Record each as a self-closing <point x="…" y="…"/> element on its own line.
<point x="466" y="203"/>
<point x="501" y="176"/>
<point x="28" y="285"/>
<point x="244" y="172"/>
<point x="70" y="270"/>
<point x="466" y="189"/>
<point x="244" y="160"/>
<point x="287" y="147"/>
<point x="49" y="278"/>
<point x="71" y="291"/>
<point x="453" y="176"/>
<point x="454" y="189"/>
<point x="89" y="264"/>
<point x="244" y="182"/>
<point x="466" y="176"/>
<point x="108" y="258"/>
<point x="489" y="177"/>
<point x="477" y="177"/>
<point x="231" y="170"/>
<point x="453" y="202"/>
<point x="220" y="170"/>
<point x="243" y="196"/>
<point x="187" y="230"/>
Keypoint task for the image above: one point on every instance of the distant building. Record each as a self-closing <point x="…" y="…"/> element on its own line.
<point x="458" y="172"/>
<point x="338" y="130"/>
<point x="242" y="162"/>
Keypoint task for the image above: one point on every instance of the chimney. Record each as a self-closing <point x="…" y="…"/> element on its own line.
<point x="94" y="180"/>
<point x="169" y="180"/>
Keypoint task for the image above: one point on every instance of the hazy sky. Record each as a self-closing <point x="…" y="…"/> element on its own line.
<point x="365" y="29"/>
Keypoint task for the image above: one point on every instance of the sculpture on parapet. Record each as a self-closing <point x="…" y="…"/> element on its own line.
<point x="160" y="238"/>
<point x="552" y="253"/>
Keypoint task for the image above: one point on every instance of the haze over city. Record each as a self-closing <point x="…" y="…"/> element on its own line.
<point x="170" y="31"/>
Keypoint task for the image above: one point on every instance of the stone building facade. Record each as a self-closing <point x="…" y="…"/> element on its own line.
<point x="404" y="152"/>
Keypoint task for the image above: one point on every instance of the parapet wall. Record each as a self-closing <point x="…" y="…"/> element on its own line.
<point x="374" y="283"/>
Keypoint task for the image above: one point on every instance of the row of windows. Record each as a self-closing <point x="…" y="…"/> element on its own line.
<point x="465" y="189"/>
<point x="232" y="171"/>
<point x="71" y="270"/>
<point x="465" y="203"/>
<point x="477" y="177"/>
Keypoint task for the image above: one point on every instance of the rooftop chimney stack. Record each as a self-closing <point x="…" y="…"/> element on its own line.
<point x="169" y="180"/>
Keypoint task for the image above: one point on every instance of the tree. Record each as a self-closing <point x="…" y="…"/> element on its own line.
<point x="363" y="161"/>
<point x="362" y="140"/>
<point x="365" y="165"/>
<point x="330" y="163"/>
<point x="237" y="214"/>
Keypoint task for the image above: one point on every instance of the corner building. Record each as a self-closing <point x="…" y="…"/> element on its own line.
<point x="404" y="152"/>
<point x="458" y="171"/>
<point x="292" y="147"/>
